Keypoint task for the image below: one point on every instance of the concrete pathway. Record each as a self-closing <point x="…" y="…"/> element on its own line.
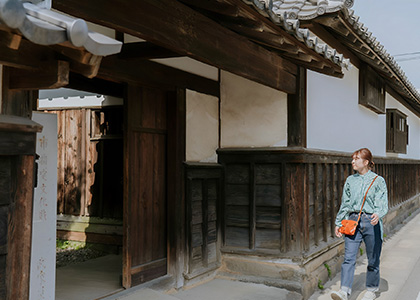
<point x="400" y="278"/>
<point x="90" y="279"/>
<point x="222" y="289"/>
<point x="400" y="268"/>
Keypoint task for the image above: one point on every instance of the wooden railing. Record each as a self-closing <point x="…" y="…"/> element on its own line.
<point x="284" y="201"/>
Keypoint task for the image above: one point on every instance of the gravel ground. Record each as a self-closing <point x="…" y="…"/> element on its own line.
<point x="71" y="256"/>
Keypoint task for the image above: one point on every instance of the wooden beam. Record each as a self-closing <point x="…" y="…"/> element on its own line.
<point x="95" y="85"/>
<point x="155" y="74"/>
<point x="145" y="50"/>
<point x="175" y="26"/>
<point x="27" y="55"/>
<point x="214" y="6"/>
<point x="265" y="38"/>
<point x="10" y="40"/>
<point x="77" y="54"/>
<point x="296" y="113"/>
<point x="89" y="71"/>
<point x="81" y="61"/>
<point x="52" y="77"/>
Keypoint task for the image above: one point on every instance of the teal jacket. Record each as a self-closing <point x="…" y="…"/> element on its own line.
<point x="354" y="191"/>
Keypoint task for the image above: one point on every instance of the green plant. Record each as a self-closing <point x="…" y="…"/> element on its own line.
<point x="61" y="244"/>
<point x="320" y="286"/>
<point x="328" y="269"/>
<point x="69" y="245"/>
<point x="361" y="251"/>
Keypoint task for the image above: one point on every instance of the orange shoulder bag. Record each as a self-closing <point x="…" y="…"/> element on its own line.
<point x="348" y="227"/>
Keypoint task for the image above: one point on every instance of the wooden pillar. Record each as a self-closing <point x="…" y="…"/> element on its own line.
<point x="176" y="191"/>
<point x="17" y="150"/>
<point x="296" y="112"/>
<point x="295" y="208"/>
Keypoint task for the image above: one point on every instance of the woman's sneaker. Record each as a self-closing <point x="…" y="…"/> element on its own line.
<point x="369" y="295"/>
<point x="340" y="295"/>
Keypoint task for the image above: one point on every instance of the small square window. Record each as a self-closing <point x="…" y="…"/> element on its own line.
<point x="371" y="89"/>
<point x="396" y="131"/>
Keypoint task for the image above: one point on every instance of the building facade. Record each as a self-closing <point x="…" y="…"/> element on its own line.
<point x="238" y="121"/>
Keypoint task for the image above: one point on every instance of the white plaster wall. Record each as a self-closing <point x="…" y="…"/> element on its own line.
<point x="202" y="136"/>
<point x="413" y="147"/>
<point x="252" y="115"/>
<point x="335" y="119"/>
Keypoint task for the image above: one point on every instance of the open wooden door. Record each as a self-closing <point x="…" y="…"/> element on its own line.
<point x="145" y="185"/>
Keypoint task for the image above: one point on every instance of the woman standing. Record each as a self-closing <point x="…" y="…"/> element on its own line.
<point x="370" y="227"/>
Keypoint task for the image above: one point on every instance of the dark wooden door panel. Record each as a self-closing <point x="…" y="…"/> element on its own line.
<point x="146" y="200"/>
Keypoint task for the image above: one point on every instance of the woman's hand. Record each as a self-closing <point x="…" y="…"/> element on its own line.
<point x="374" y="219"/>
<point x="338" y="233"/>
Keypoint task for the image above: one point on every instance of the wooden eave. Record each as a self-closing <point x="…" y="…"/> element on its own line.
<point x="177" y="27"/>
<point x="339" y="28"/>
<point x="228" y="34"/>
<point x="241" y="18"/>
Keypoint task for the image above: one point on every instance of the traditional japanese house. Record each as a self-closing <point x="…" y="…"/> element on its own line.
<point x="239" y="119"/>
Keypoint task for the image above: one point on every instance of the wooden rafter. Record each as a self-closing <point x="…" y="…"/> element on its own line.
<point x="176" y="26"/>
<point x="328" y="38"/>
<point x="246" y="10"/>
<point x="349" y="37"/>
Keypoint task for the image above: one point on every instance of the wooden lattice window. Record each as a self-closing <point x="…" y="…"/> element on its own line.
<point x="371" y="90"/>
<point x="396" y="131"/>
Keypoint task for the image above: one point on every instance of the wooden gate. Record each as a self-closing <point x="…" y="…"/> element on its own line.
<point x="145" y="197"/>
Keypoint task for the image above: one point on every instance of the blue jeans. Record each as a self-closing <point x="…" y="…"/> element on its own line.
<point x="371" y="235"/>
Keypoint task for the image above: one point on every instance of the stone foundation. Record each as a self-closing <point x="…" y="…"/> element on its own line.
<point x="300" y="275"/>
<point x="400" y="214"/>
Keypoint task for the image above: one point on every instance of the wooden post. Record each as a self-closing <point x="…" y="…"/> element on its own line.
<point x="296" y="112"/>
<point x="17" y="150"/>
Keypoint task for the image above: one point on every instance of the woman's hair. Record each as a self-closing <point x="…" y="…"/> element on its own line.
<point x="365" y="153"/>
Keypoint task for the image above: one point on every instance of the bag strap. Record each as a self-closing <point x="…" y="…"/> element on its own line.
<point x="364" y="199"/>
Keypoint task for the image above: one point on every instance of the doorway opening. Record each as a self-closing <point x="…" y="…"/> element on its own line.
<point x="89" y="192"/>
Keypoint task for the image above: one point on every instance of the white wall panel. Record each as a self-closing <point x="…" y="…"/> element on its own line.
<point x="252" y="115"/>
<point x="335" y="119"/>
<point x="202" y="138"/>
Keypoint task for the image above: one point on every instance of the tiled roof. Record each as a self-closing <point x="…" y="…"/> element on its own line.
<point x="45" y="27"/>
<point x="287" y="13"/>
<point x="306" y="10"/>
<point x="379" y="49"/>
